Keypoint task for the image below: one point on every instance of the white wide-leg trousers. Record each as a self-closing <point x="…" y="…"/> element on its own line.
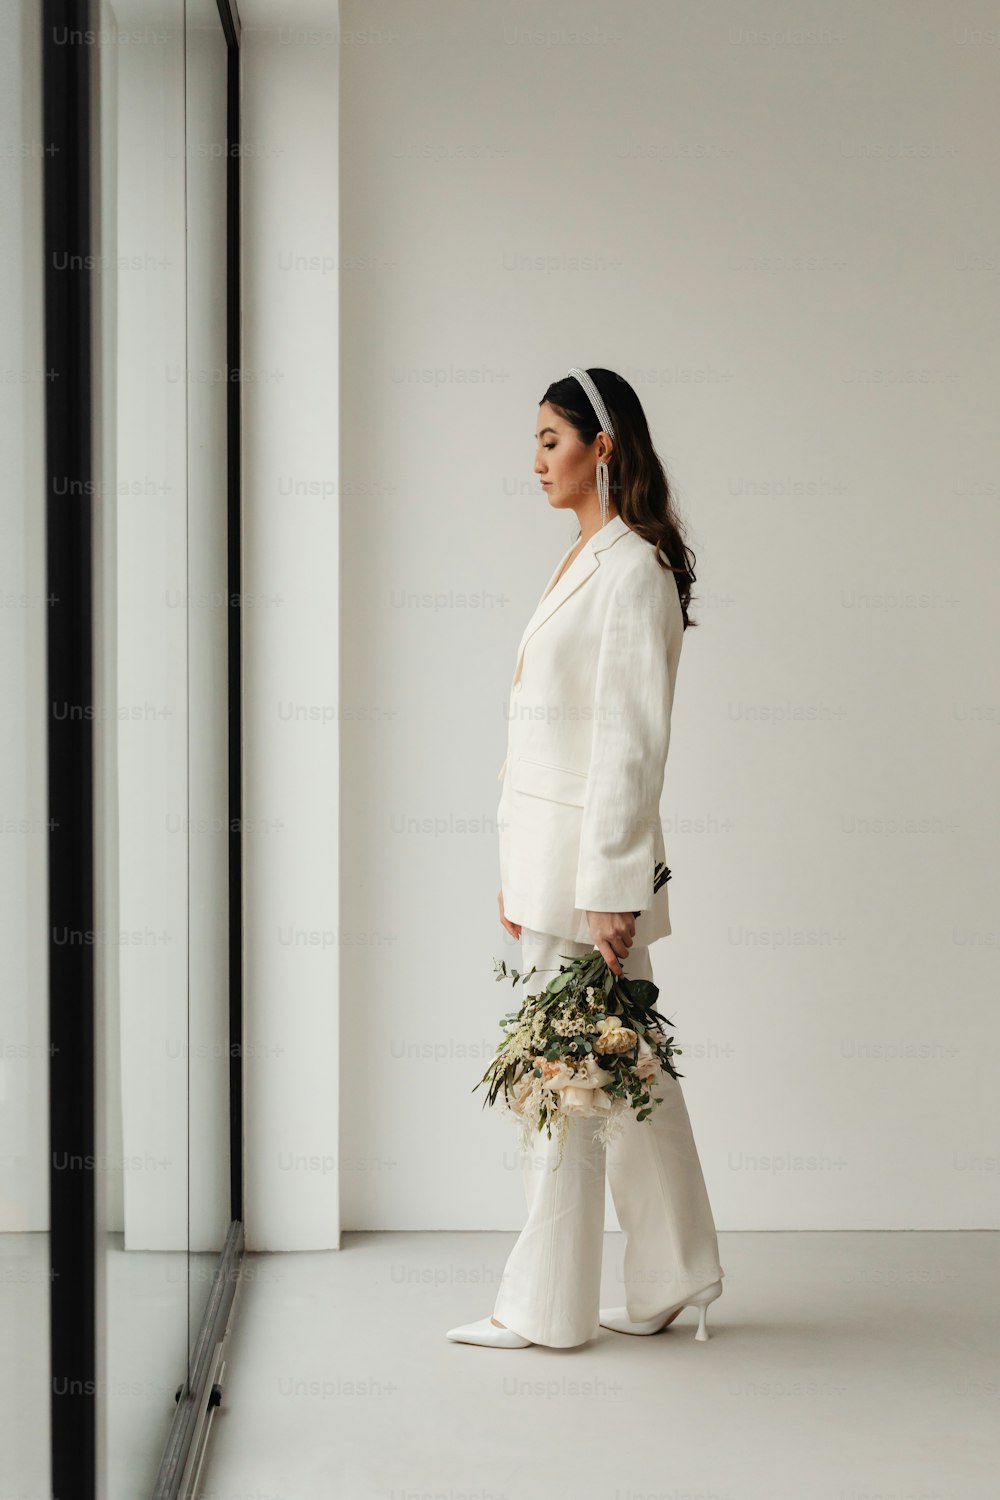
<point x="551" y="1285"/>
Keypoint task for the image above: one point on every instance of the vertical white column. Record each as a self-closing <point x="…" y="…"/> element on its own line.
<point x="291" y="642"/>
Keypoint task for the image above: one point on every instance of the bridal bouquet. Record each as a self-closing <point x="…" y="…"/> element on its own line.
<point x="589" y="1045"/>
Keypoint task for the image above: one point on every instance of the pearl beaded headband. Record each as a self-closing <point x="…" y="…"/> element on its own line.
<point x="595" y="400"/>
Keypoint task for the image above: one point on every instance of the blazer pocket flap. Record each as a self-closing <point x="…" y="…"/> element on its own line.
<point x="540" y="779"/>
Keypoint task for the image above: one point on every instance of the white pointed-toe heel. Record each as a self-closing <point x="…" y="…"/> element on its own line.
<point x="485" y="1331"/>
<point x="618" y="1318"/>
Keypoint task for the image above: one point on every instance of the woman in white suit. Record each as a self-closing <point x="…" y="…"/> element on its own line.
<point x="583" y="866"/>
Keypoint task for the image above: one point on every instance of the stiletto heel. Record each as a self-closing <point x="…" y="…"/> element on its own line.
<point x="618" y="1318"/>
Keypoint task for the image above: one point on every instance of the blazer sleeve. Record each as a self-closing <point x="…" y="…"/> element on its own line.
<point x="631" y="733"/>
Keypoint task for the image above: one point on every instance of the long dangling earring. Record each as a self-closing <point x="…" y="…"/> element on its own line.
<point x="602" y="490"/>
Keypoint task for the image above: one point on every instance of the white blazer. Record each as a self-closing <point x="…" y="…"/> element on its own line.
<point x="588" y="728"/>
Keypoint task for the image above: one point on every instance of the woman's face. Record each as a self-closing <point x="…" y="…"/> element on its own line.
<point x="565" y="466"/>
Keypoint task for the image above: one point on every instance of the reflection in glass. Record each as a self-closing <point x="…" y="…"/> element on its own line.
<point x="163" y="788"/>
<point x="207" y="620"/>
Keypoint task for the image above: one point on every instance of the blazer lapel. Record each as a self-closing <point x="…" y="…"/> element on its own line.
<point x="580" y="569"/>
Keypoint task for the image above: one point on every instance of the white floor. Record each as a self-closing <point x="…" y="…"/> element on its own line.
<point x="841" y="1366"/>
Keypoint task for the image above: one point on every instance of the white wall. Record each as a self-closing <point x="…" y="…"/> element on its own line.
<point x="780" y="241"/>
<point x="291" y="603"/>
<point x="149" y="500"/>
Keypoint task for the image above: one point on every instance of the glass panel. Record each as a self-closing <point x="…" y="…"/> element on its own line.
<point x="207" y="619"/>
<point x="161" y="560"/>
<point x="141" y="586"/>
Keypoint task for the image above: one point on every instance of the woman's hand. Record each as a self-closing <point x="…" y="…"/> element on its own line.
<point x="514" y="928"/>
<point x="613" y="933"/>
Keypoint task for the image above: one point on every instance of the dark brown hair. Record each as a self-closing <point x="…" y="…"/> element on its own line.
<point x="637" y="479"/>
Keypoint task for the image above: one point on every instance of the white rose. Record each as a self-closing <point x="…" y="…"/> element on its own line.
<point x="576" y="1101"/>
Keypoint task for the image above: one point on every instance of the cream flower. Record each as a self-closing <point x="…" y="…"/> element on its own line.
<point x="570" y="1024"/>
<point x="557" y="1074"/>
<point x="598" y="1076"/>
<point x="616" y="1038"/>
<point x="583" y="1101"/>
<point x="581" y="1090"/>
<point x="647" y="1064"/>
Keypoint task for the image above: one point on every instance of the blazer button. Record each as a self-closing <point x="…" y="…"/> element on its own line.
<point x="517" y="686"/>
